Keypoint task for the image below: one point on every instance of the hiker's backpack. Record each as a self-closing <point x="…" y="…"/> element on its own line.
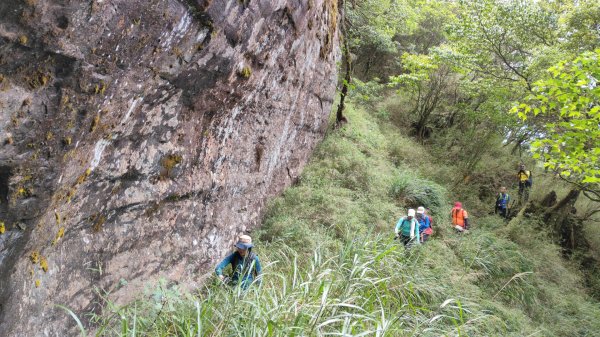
<point x="238" y="259"/>
<point x="458" y="216"/>
<point x="428" y="230"/>
<point x="529" y="181"/>
<point x="424" y="221"/>
<point x="502" y="200"/>
<point x="405" y="226"/>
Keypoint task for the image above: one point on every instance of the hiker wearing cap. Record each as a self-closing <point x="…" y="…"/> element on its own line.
<point x="407" y="229"/>
<point x="525" y="182"/>
<point x="424" y="220"/>
<point x="502" y="201"/>
<point x="460" y="217"/>
<point x="245" y="265"/>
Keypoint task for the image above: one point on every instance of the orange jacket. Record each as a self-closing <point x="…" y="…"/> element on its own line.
<point x="458" y="216"/>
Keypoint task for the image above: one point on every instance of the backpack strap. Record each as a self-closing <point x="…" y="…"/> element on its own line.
<point x="235" y="262"/>
<point x="249" y="263"/>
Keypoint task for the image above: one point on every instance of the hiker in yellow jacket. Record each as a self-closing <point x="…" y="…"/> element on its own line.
<point x="525" y="181"/>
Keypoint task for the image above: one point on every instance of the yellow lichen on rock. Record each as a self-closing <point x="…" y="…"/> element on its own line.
<point x="95" y="123"/>
<point x="44" y="264"/>
<point x="71" y="194"/>
<point x="84" y="176"/>
<point x="59" y="235"/>
<point x="34" y="257"/>
<point x="38" y="283"/>
<point x="99" y="221"/>
<point x="168" y="163"/>
<point x="2" y="228"/>
<point x="245" y="72"/>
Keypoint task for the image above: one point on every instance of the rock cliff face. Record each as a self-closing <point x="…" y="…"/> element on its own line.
<point x="139" y="137"/>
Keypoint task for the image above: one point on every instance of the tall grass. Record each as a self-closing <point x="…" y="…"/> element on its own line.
<point x="371" y="286"/>
<point x="333" y="269"/>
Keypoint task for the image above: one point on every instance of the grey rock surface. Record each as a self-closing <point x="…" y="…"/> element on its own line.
<point x="140" y="137"/>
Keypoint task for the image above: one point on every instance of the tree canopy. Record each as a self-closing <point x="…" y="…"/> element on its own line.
<point x="525" y="70"/>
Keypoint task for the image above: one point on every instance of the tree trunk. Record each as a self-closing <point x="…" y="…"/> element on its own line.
<point x="339" y="117"/>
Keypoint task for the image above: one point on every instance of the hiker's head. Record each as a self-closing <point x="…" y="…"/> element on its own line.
<point x="502" y="189"/>
<point x="244" y="244"/>
<point x="458" y="204"/>
<point x="420" y="211"/>
<point x="411" y="213"/>
<point x="522" y="166"/>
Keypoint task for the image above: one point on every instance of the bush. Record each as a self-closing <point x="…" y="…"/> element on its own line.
<point x="415" y="192"/>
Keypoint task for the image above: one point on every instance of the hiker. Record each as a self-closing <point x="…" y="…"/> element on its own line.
<point x="244" y="263"/>
<point x="502" y="203"/>
<point x="407" y="229"/>
<point x="424" y="220"/>
<point x="460" y="217"/>
<point x="525" y="182"/>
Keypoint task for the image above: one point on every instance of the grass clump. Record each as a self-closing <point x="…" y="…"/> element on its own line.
<point x="369" y="286"/>
<point x="331" y="266"/>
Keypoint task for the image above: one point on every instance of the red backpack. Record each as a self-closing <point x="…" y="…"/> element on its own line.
<point x="429" y="230"/>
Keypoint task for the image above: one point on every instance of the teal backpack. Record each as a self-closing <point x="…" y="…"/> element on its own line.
<point x="405" y="227"/>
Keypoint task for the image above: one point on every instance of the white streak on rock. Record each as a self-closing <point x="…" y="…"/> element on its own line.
<point x="98" y="150"/>
<point x="133" y="105"/>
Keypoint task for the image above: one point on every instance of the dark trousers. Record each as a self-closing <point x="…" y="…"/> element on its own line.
<point x="425" y="237"/>
<point x="503" y="211"/>
<point x="521" y="187"/>
<point x="406" y="241"/>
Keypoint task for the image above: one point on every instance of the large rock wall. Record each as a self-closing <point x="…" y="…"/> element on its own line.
<point x="139" y="137"/>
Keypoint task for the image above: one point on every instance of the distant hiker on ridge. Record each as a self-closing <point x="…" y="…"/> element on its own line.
<point x="502" y="203"/>
<point x="424" y="220"/>
<point x="407" y="229"/>
<point x="525" y="182"/>
<point x="245" y="265"/>
<point x="460" y="217"/>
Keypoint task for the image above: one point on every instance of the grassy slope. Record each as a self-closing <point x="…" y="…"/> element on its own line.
<point x="331" y="265"/>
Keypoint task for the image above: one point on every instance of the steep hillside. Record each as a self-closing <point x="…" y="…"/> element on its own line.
<point x="332" y="267"/>
<point x="140" y="137"/>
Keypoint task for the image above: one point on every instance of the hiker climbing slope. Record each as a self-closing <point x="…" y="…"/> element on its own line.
<point x="525" y="181"/>
<point x="460" y="217"/>
<point x="502" y="203"/>
<point x="244" y="263"/>
<point x="407" y="229"/>
<point x="424" y="220"/>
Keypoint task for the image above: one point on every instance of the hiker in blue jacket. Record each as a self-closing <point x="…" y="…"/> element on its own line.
<point x="424" y="220"/>
<point x="245" y="265"/>
<point x="407" y="229"/>
<point x="502" y="203"/>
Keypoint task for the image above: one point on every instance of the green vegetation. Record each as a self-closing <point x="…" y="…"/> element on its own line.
<point x="428" y="91"/>
<point x="569" y="143"/>
<point x="331" y="266"/>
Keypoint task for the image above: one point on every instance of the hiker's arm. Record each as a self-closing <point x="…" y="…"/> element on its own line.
<point x="398" y="225"/>
<point x="226" y="261"/>
<point x="414" y="229"/>
<point x="257" y="265"/>
<point x="257" y="269"/>
<point x="417" y="233"/>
